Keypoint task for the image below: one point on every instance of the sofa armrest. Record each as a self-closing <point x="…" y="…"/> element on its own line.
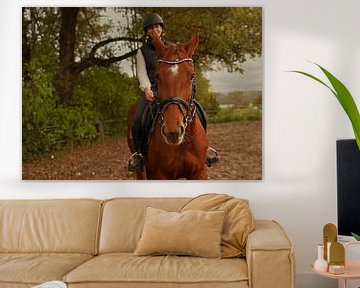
<point x="269" y="256"/>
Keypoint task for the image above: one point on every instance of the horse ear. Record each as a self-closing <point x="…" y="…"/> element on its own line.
<point x="190" y="46"/>
<point x="159" y="45"/>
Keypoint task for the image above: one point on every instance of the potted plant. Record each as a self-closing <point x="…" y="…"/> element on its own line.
<point x="346" y="100"/>
<point x="344" y="97"/>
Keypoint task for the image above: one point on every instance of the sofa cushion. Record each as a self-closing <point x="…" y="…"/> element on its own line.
<point x="64" y="226"/>
<point x="192" y="232"/>
<point x="239" y="220"/>
<point x="36" y="268"/>
<point x="126" y="268"/>
<point x="123" y="219"/>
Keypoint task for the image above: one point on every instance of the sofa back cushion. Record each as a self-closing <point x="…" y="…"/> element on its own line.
<point x="123" y="220"/>
<point x="238" y="224"/>
<point x="67" y="226"/>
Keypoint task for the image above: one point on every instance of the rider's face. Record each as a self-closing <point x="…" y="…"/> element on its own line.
<point x="155" y="27"/>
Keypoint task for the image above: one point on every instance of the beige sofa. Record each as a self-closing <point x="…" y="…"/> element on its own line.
<point x="90" y="243"/>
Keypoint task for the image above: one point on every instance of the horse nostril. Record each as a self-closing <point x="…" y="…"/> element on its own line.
<point x="172" y="137"/>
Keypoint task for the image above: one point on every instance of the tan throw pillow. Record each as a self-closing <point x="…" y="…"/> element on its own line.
<point x="239" y="220"/>
<point x="196" y="233"/>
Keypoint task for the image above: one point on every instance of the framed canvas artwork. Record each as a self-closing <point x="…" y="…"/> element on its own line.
<point x="142" y="93"/>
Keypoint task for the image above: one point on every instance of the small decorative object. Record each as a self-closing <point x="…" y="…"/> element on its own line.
<point x="337" y="258"/>
<point x="320" y="264"/>
<point x="330" y="236"/>
<point x="336" y="269"/>
<point x="344" y="97"/>
<point x="328" y="251"/>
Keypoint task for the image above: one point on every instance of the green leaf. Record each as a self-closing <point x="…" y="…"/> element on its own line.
<point x="316" y="79"/>
<point x="357" y="237"/>
<point x="347" y="101"/>
<point x="344" y="97"/>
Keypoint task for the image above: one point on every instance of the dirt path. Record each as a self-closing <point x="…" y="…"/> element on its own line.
<point x="238" y="143"/>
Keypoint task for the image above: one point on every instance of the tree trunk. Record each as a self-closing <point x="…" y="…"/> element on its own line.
<point x="26" y="48"/>
<point x="67" y="77"/>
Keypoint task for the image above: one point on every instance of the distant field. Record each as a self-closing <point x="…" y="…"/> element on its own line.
<point x="235" y="114"/>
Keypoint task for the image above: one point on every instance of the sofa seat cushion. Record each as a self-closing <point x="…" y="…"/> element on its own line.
<point x="144" y="270"/>
<point x="36" y="268"/>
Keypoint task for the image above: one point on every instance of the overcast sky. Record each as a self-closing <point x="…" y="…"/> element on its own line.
<point x="222" y="81"/>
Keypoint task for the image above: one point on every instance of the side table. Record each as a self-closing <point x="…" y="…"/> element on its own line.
<point x="352" y="268"/>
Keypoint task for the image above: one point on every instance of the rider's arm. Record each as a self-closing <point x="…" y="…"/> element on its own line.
<point x="142" y="72"/>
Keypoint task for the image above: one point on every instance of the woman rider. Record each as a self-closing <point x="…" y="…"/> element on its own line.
<point x="146" y="62"/>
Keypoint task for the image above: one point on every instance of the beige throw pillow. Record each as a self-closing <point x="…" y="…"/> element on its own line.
<point x="238" y="223"/>
<point x="193" y="232"/>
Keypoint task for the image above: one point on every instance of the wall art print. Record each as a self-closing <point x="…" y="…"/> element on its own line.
<point x="194" y="74"/>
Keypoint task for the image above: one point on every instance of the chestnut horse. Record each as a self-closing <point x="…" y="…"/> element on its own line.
<point x="179" y="143"/>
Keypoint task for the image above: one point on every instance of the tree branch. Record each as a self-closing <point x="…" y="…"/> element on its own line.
<point x="92" y="60"/>
<point x="110" y="40"/>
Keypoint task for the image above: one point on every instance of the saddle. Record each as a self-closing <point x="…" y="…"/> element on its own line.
<point x="148" y="122"/>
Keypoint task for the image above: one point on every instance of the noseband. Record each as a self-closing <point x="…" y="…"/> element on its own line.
<point x="171" y="100"/>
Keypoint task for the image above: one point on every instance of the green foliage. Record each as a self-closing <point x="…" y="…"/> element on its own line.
<point x="91" y="29"/>
<point x="356" y="236"/>
<point x="203" y="93"/>
<point x="108" y="94"/>
<point x="227" y="34"/>
<point x="344" y="97"/>
<point x="49" y="125"/>
<point x="37" y="103"/>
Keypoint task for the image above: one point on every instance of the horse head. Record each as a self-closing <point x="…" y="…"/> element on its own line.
<point x="176" y="87"/>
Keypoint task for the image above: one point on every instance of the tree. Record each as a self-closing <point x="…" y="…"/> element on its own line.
<point x="203" y="93"/>
<point x="69" y="69"/>
<point x="227" y="35"/>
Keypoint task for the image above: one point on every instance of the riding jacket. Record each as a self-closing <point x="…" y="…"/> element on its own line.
<point x="147" y="60"/>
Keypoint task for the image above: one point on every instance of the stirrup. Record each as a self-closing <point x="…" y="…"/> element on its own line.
<point x="214" y="159"/>
<point x="136" y="162"/>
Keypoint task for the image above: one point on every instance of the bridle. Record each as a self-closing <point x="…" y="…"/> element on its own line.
<point x="180" y="102"/>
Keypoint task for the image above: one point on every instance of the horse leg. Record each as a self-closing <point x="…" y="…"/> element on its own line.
<point x="200" y="175"/>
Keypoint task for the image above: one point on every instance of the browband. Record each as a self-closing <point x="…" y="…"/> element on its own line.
<point x="176" y="61"/>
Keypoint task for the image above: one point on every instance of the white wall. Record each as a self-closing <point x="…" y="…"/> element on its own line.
<point x="301" y="120"/>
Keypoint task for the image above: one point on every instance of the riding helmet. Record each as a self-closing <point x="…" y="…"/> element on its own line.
<point x="151" y="19"/>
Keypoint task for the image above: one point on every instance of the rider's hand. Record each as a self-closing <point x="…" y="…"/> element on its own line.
<point x="149" y="95"/>
<point x="152" y="34"/>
